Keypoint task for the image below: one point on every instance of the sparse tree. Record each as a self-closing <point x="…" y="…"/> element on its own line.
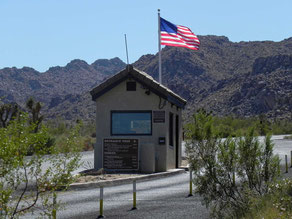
<point x="7" y="113"/>
<point x="35" y="108"/>
<point x="263" y="125"/>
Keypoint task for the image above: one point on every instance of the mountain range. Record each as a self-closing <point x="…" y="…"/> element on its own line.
<point x="241" y="79"/>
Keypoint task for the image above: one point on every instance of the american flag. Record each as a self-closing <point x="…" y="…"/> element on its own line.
<point x="177" y="35"/>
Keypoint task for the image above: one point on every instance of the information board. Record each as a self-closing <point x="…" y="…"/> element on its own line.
<point x="159" y="116"/>
<point x="120" y="154"/>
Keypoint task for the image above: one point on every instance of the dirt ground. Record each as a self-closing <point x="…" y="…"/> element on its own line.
<point x="100" y="175"/>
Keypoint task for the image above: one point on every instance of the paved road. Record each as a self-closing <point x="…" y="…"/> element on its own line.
<point x="282" y="147"/>
<point x="160" y="198"/>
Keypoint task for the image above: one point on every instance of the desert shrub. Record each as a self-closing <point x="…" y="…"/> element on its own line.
<point x="228" y="173"/>
<point x="57" y="127"/>
<point x="59" y="130"/>
<point x="88" y="128"/>
<point x="88" y="143"/>
<point x="277" y="203"/>
<point x="24" y="184"/>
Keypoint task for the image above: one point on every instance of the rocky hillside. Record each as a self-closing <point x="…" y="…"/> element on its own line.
<point x="266" y="89"/>
<point x="58" y="85"/>
<point x="244" y="79"/>
<point x="223" y="76"/>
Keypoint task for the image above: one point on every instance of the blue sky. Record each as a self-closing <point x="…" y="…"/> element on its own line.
<point x="45" y="33"/>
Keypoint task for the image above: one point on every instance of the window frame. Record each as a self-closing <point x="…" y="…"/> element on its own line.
<point x="131" y="111"/>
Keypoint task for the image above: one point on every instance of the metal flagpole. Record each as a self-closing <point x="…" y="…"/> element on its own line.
<point x="159" y="48"/>
<point x="126" y="49"/>
<point x="128" y="67"/>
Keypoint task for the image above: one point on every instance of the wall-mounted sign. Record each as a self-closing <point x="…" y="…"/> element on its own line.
<point x="161" y="140"/>
<point x="120" y="154"/>
<point x="159" y="116"/>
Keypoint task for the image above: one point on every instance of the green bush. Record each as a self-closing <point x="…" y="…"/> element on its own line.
<point x="277" y="203"/>
<point x="18" y="172"/>
<point x="59" y="131"/>
<point x="228" y="173"/>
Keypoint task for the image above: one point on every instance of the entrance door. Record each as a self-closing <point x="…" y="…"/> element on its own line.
<point x="176" y="141"/>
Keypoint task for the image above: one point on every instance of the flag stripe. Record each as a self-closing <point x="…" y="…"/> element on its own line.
<point x="165" y="40"/>
<point x="173" y="41"/>
<point x="177" y="35"/>
<point x="178" y="45"/>
<point x="167" y="36"/>
<point x="181" y="45"/>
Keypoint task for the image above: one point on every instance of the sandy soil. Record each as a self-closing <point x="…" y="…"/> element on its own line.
<point x="94" y="176"/>
<point x="102" y="177"/>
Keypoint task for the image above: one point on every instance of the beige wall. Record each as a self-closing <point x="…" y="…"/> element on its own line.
<point x="120" y="99"/>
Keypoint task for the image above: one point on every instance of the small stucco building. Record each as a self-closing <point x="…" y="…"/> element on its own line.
<point x="138" y="123"/>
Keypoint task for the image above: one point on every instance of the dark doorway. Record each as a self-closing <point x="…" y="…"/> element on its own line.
<point x="171" y="129"/>
<point x="176" y="141"/>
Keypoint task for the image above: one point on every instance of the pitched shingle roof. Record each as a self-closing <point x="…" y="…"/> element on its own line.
<point x="142" y="78"/>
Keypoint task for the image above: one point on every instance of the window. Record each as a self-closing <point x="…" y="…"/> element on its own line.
<point x="131" y="123"/>
<point x="170" y="129"/>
